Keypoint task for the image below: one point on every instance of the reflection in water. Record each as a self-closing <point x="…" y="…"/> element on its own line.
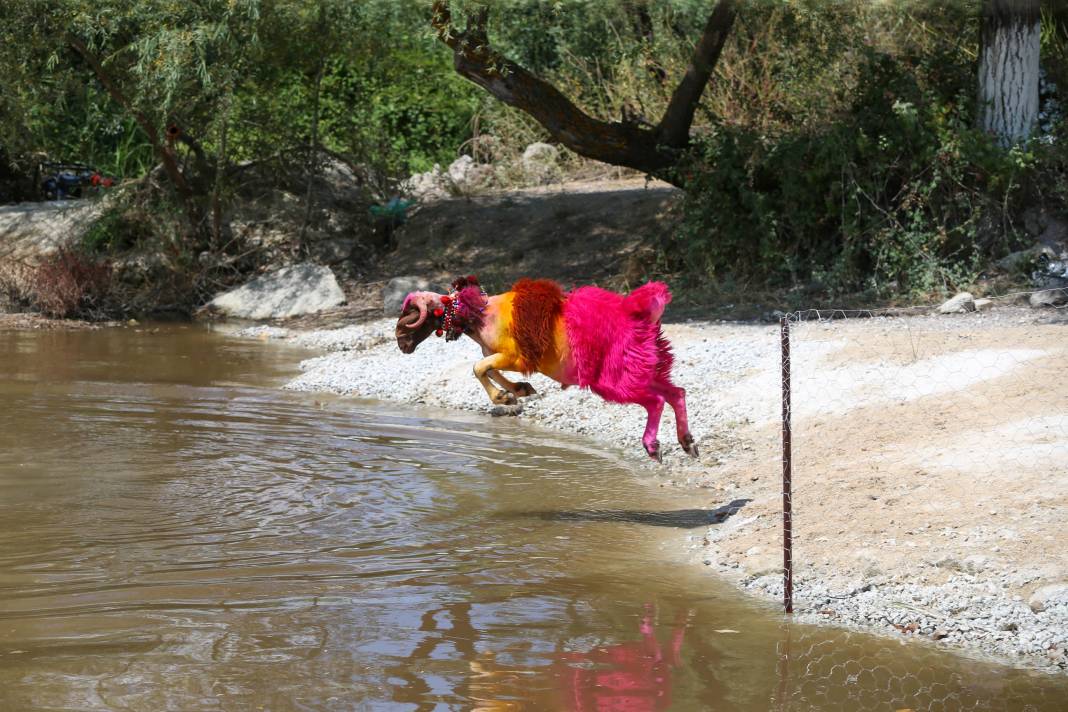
<point x="173" y="536"/>
<point x="631" y="675"/>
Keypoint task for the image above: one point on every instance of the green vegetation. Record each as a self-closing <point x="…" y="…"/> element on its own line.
<point x="835" y="149"/>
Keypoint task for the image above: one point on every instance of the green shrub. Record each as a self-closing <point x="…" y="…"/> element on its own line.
<point x="891" y="191"/>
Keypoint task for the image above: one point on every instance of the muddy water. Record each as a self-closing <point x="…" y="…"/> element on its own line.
<point x="177" y="535"/>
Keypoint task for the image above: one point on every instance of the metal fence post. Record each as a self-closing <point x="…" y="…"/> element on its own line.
<point x="787" y="474"/>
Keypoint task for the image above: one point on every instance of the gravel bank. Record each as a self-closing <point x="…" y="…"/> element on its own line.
<point x="931" y="461"/>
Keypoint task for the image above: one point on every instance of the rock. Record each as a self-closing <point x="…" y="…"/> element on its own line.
<point x="541" y="162"/>
<point x="397" y="289"/>
<point x="459" y="169"/>
<point x="466" y="175"/>
<point x="963" y="302"/>
<point x="33" y="230"/>
<point x="1049" y="298"/>
<point x="297" y="289"/>
<point x="984" y="304"/>
<point x="1048" y="595"/>
<point x="431" y="185"/>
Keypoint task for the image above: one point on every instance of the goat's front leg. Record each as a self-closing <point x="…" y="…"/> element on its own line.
<point x="484" y="367"/>
<point x="521" y="389"/>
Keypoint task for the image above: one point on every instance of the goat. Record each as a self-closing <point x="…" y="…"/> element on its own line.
<point x="610" y="343"/>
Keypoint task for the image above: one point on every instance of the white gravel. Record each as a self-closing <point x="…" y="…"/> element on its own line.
<point x="363" y="361"/>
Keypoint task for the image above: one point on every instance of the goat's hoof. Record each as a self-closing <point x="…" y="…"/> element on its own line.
<point x="653" y="449"/>
<point x="524" y="389"/>
<point x="689" y="445"/>
<point x="504" y="398"/>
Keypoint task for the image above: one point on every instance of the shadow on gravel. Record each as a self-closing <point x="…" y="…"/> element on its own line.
<point x="679" y="518"/>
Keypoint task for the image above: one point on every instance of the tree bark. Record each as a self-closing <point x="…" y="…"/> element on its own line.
<point x="1008" y="69"/>
<point x="653" y="150"/>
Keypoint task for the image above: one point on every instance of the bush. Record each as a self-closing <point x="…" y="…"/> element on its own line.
<point x="882" y="187"/>
<point x="69" y="284"/>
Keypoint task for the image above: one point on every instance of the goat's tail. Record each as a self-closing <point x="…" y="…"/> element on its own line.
<point x="648" y="301"/>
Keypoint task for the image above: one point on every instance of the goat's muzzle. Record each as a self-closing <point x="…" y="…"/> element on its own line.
<point x="412" y="328"/>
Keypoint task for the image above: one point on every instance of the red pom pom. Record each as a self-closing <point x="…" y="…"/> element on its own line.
<point x="439" y="311"/>
<point x="446" y="299"/>
<point x="438" y="332"/>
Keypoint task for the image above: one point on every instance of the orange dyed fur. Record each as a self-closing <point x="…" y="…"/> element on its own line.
<point x="537" y="305"/>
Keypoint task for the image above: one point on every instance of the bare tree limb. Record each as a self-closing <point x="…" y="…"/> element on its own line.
<point x="652" y="150"/>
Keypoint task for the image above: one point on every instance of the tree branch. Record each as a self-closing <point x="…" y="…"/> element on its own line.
<point x="652" y="150"/>
<point x="674" y="128"/>
<point x="166" y="154"/>
<point x="612" y="142"/>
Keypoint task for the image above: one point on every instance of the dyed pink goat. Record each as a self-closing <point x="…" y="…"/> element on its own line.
<point x="592" y="338"/>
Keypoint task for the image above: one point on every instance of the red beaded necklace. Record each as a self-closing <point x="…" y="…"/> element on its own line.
<point x="457" y="315"/>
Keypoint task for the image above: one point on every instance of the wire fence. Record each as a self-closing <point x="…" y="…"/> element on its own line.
<point x="925" y="472"/>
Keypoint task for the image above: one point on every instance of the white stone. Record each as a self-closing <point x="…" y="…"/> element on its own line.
<point x="460" y="169"/>
<point x="1049" y="595"/>
<point x="963" y="302"/>
<point x="431" y="185"/>
<point x="291" y="291"/>
<point x="540" y="162"/>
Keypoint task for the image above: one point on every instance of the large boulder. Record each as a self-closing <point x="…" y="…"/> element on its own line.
<point x="397" y="289"/>
<point x="30" y="231"/>
<point x="291" y="291"/>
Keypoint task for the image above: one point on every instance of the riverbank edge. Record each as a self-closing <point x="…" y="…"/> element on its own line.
<point x="883" y="607"/>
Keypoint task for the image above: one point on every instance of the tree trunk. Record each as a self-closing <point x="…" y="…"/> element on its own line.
<point x="1008" y="69"/>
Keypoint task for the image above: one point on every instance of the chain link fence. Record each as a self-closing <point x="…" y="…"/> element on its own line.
<point x="925" y="475"/>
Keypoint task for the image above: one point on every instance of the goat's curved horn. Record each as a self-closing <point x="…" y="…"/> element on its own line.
<point x="419" y="301"/>
<point x="421" y="305"/>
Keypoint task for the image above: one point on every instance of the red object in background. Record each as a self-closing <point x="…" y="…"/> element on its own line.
<point x="634" y="676"/>
<point x="98" y="181"/>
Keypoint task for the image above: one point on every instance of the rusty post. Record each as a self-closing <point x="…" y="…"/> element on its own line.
<point x="787" y="475"/>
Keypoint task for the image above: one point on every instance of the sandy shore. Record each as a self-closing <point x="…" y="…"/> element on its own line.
<point x="931" y="460"/>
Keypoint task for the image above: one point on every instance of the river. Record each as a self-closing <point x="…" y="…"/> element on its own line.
<point x="178" y="534"/>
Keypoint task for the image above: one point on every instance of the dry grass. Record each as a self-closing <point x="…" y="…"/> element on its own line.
<point x="67" y="283"/>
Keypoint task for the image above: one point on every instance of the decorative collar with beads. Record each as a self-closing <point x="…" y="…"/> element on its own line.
<point x="458" y="313"/>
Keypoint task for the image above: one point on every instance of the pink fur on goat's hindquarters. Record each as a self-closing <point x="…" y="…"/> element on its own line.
<point x="592" y="338"/>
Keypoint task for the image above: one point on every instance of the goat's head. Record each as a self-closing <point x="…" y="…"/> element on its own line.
<point x="415" y="324"/>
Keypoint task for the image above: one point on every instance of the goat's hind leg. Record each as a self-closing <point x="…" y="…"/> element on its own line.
<point x="654" y="405"/>
<point x="676" y="398"/>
